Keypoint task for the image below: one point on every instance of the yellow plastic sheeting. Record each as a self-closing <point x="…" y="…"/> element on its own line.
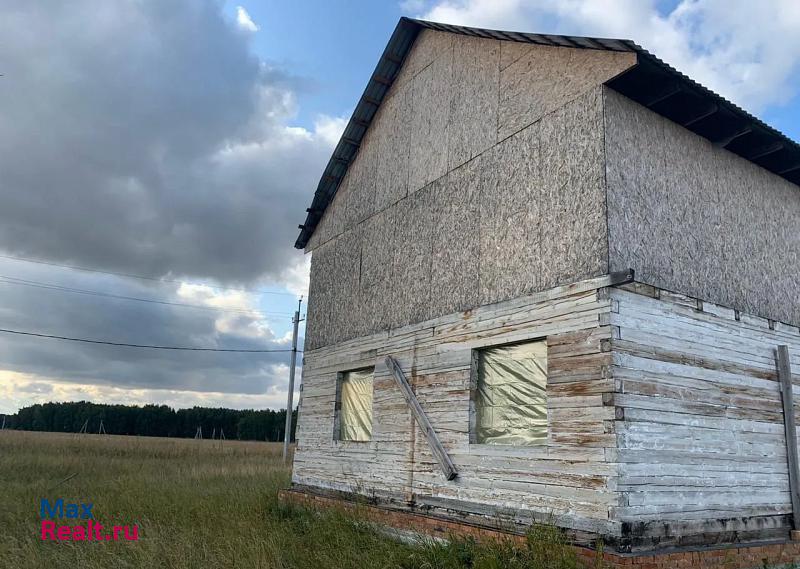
<point x="511" y="399"/>
<point x="355" y="417"/>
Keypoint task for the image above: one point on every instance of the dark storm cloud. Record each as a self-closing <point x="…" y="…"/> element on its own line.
<point x="144" y="136"/>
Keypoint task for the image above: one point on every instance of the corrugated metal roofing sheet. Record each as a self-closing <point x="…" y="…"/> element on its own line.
<point x="651" y="82"/>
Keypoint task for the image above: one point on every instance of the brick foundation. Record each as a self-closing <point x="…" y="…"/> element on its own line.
<point x="754" y="556"/>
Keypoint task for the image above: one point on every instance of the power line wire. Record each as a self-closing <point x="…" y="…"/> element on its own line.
<point x="133" y="276"/>
<point x="61" y="288"/>
<point x="147" y="346"/>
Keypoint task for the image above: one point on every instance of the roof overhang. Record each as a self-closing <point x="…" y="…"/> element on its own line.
<point x="650" y="82"/>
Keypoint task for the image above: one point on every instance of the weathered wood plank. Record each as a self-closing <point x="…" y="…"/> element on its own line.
<point x="703" y="436"/>
<point x="438" y="450"/>
<point x="785" y="378"/>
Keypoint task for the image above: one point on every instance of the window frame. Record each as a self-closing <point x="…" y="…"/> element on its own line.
<point x="337" y="409"/>
<point x="473" y="392"/>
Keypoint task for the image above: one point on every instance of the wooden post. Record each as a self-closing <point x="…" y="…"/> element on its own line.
<point x="785" y="379"/>
<point x="439" y="453"/>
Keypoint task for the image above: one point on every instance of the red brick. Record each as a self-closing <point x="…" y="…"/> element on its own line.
<point x="738" y="558"/>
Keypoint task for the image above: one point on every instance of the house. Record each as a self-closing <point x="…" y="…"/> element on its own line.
<point x="553" y="278"/>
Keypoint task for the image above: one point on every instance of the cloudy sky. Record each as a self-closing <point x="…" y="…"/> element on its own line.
<point x="181" y="142"/>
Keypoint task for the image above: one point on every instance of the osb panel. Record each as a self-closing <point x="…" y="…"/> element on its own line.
<point x="572" y="213"/>
<point x="543" y="208"/>
<point x="472" y="126"/>
<point x="377" y="259"/>
<point x="520" y="216"/>
<point x="393" y="125"/>
<point x="345" y="297"/>
<point x="546" y="77"/>
<point x="509" y="218"/>
<point x="456" y="254"/>
<point x="634" y="167"/>
<point x="319" y="296"/>
<point x="428" y="46"/>
<point x="431" y="92"/>
<point x="511" y="51"/>
<point x="697" y="219"/>
<point x="412" y="258"/>
<point x="332" y="222"/>
<point x="362" y="173"/>
<point x="444" y="110"/>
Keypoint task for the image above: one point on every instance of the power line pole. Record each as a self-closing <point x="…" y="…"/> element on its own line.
<point x="287" y="434"/>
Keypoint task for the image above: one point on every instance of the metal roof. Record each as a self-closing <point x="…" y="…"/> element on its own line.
<point x="650" y="82"/>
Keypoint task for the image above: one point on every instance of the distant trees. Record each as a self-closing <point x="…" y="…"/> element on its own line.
<point x="152" y="420"/>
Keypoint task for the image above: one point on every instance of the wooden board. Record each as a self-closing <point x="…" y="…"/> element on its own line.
<point x="785" y="379"/>
<point x="702" y="448"/>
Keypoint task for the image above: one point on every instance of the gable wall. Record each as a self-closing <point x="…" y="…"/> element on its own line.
<point x="480" y="179"/>
<point x="697" y="219"/>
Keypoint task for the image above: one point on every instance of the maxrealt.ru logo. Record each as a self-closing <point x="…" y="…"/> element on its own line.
<point x="90" y="531"/>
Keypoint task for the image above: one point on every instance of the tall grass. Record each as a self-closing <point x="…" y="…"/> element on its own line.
<point x="207" y="504"/>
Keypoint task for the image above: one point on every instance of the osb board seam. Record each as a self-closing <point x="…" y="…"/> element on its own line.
<point x="547" y="115"/>
<point x="560" y="292"/>
<point x="605" y="175"/>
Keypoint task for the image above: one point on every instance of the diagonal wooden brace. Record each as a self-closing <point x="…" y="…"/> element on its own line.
<point x="785" y="380"/>
<point x="439" y="453"/>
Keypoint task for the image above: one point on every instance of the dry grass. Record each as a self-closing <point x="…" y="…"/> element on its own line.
<point x="204" y="504"/>
<point x="196" y="502"/>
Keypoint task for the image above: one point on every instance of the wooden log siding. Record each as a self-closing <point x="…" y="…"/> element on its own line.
<point x="569" y="478"/>
<point x="664" y="414"/>
<point x="702" y="450"/>
<point x="423" y="423"/>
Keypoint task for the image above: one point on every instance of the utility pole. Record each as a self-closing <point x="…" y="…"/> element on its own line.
<point x="287" y="435"/>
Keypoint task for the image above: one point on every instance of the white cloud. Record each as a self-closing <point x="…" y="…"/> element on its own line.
<point x="330" y="129"/>
<point x="244" y="21"/>
<point x="296" y="277"/>
<point x="19" y="390"/>
<point x="748" y="53"/>
<point x="245" y="319"/>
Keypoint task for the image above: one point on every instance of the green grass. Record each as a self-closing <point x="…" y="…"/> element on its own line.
<point x="208" y="504"/>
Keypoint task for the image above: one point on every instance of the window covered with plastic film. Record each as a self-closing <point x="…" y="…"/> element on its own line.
<point x="355" y="410"/>
<point x="511" y="395"/>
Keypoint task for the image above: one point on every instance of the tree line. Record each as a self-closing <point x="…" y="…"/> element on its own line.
<point x="152" y="420"/>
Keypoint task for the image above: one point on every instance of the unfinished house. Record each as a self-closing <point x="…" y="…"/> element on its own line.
<point x="553" y="279"/>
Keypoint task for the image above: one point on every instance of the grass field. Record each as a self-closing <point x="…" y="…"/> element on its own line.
<point x="205" y="504"/>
